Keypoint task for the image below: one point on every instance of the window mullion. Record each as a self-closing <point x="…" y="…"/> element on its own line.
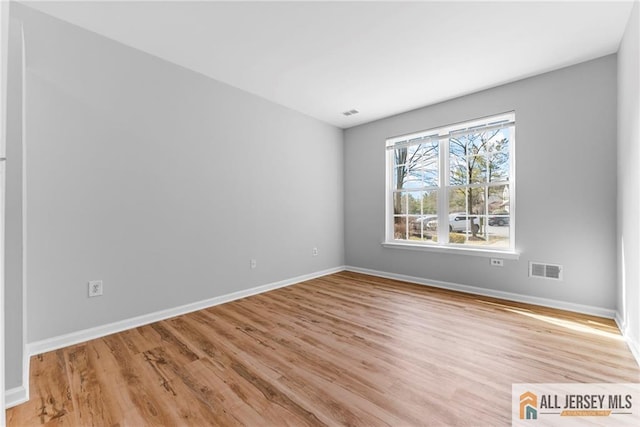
<point x="406" y="215"/>
<point x="443" y="193"/>
<point x="512" y="183"/>
<point x="390" y="196"/>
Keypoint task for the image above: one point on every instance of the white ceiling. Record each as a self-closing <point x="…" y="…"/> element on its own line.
<point x="381" y="58"/>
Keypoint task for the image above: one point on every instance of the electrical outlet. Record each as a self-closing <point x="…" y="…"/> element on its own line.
<point x="95" y="288"/>
<point x="497" y="262"/>
<point x="253" y="263"/>
<point x="314" y="251"/>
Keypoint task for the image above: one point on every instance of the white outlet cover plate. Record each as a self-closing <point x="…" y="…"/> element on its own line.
<point x="95" y="288"/>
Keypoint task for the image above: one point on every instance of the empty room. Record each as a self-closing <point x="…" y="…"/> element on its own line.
<point x="320" y="213"/>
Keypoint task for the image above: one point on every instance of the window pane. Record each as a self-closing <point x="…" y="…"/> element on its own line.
<point x="460" y="222"/>
<point x="399" y="203"/>
<point x="466" y="209"/>
<point x="457" y="147"/>
<point x="500" y="140"/>
<point x="458" y="200"/>
<point x="431" y="228"/>
<point x="477" y="169"/>
<point x="426" y="228"/>
<point x="400" y="227"/>
<point x="414" y="202"/>
<point x="499" y="157"/>
<point x="458" y="168"/>
<point x="416" y="166"/>
<point x="498" y="166"/>
<point x="431" y="177"/>
<point x="476" y="143"/>
<point x="419" y="220"/>
<point x="420" y="168"/>
<point x="499" y="218"/>
<point x="400" y="156"/>
<point x="480" y="216"/>
<point x="415" y="228"/>
<point x="467" y="200"/>
<point x="497" y="234"/>
<point x="413" y="178"/>
<point x="399" y="177"/>
<point x="472" y="144"/>
<point x="430" y="202"/>
<point x="498" y="200"/>
<point x="476" y="201"/>
<point x="426" y="162"/>
<point x="414" y="153"/>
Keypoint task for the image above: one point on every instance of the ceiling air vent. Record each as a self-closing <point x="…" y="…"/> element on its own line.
<point x="350" y="112"/>
<point x="546" y="271"/>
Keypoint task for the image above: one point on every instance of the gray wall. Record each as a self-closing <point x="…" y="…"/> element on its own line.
<point x="14" y="345"/>
<point x="162" y="183"/>
<point x="566" y="187"/>
<point x="629" y="180"/>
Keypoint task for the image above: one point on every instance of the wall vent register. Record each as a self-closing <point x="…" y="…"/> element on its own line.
<point x="545" y="271"/>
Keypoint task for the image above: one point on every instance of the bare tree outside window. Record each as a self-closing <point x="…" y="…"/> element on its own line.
<point x="477" y="159"/>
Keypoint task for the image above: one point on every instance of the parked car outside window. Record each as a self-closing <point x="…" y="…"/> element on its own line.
<point x="458" y="221"/>
<point x="501" y="219"/>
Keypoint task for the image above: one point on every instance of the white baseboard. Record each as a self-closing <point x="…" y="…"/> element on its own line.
<point x="19" y="395"/>
<point x="72" y="338"/>
<point x="634" y="346"/>
<point x="546" y="302"/>
<point x="15" y="396"/>
<point x="26" y="370"/>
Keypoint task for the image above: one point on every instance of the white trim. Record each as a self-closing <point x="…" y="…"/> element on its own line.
<point x="26" y="360"/>
<point x="453" y="250"/>
<point x="4" y="57"/>
<point x="512" y="188"/>
<point x="510" y="296"/>
<point x="16" y="396"/>
<point x="26" y="370"/>
<point x="19" y="395"/>
<point x="508" y="119"/>
<point x="77" y="337"/>
<point x="634" y="347"/>
<point x="444" y="186"/>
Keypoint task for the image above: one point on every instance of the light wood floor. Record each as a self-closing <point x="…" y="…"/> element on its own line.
<point x="345" y="349"/>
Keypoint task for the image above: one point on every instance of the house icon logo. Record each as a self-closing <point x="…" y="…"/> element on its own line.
<point x="528" y="406"/>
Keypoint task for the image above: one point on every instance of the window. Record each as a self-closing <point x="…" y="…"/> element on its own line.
<point x="453" y="186"/>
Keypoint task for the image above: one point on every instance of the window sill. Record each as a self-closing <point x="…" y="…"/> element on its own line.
<point x="454" y="250"/>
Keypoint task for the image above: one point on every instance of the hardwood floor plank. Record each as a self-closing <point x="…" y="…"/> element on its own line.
<point x="246" y="385"/>
<point x="344" y="349"/>
<point x="92" y="405"/>
<point x="51" y="399"/>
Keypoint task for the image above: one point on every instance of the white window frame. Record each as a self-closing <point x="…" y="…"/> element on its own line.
<point x="443" y="134"/>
